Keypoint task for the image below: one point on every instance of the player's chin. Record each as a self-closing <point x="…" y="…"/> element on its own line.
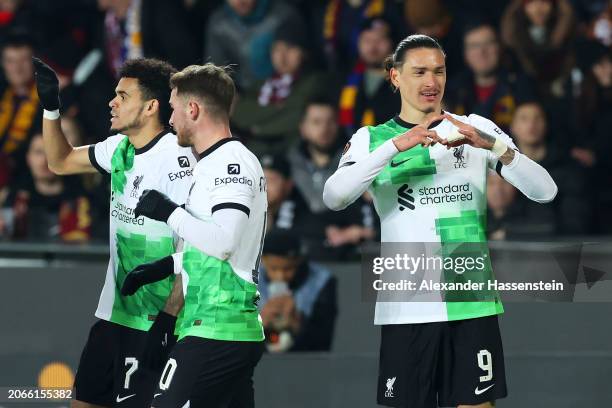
<point x="183" y="142"/>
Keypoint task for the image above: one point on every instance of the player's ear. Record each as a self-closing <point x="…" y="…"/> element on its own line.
<point x="193" y="110"/>
<point x="394" y="77"/>
<point x="152" y="106"/>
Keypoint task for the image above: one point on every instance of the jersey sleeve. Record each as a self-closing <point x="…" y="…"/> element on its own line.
<point x="176" y="175"/>
<point x="230" y="183"/>
<point x="490" y="128"/>
<point x="356" y="149"/>
<point x="357" y="168"/>
<point x="101" y="153"/>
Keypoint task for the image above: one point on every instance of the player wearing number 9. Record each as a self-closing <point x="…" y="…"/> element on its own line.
<point x="222" y="227"/>
<point x="445" y="350"/>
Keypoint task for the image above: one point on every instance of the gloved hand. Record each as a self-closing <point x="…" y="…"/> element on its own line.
<point x="147" y="273"/>
<point x="47" y="85"/>
<point x="154" y="205"/>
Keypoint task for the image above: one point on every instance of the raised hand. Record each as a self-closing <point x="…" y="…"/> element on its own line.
<point x="471" y="135"/>
<point x="419" y="135"/>
<point x="47" y="85"/>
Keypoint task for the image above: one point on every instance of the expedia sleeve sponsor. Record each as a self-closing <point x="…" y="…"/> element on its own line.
<point x="221" y="181"/>
<point x="125" y="214"/>
<point x="179" y="175"/>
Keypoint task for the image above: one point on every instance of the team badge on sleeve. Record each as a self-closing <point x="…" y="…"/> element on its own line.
<point x="346" y="148"/>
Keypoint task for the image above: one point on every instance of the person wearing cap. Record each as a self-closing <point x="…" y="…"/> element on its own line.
<point x="366" y="99"/>
<point x="268" y="116"/>
<point x="298" y="302"/>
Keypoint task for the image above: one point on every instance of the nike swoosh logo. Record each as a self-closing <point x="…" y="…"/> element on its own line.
<point x="120" y="399"/>
<point x="478" y="392"/>
<point x="395" y="164"/>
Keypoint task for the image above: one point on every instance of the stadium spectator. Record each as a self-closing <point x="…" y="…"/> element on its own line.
<point x="281" y="196"/>
<point x="433" y="18"/>
<point x="366" y="98"/>
<point x="96" y="186"/>
<point x="127" y="29"/>
<point x="510" y="217"/>
<point x="500" y="196"/>
<point x="198" y="14"/>
<point x="325" y="235"/>
<point x="241" y="32"/>
<point x="594" y="104"/>
<point x="340" y="22"/>
<point x="593" y="123"/>
<point x="269" y="114"/>
<point x="42" y="205"/>
<point x="485" y="87"/>
<point x="14" y="15"/>
<point x="595" y="19"/>
<point x="541" y="33"/>
<point x="313" y="160"/>
<point x="298" y="302"/>
<point x="316" y="156"/>
<point x="530" y="132"/>
<point x="150" y="29"/>
<point x="466" y="11"/>
<point x="20" y="115"/>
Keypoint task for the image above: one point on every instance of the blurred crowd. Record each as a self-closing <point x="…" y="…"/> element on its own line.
<point x="309" y="74"/>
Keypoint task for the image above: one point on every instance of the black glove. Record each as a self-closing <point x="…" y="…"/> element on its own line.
<point x="159" y="343"/>
<point x="47" y="85"/>
<point x="154" y="205"/>
<point x="147" y="273"/>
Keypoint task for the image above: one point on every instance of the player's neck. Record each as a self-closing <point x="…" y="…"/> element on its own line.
<point x="141" y="137"/>
<point x="411" y="115"/>
<point x="209" y="134"/>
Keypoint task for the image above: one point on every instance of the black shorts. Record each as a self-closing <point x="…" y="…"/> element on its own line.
<point x="441" y="364"/>
<point x="205" y="373"/>
<point x="115" y="368"/>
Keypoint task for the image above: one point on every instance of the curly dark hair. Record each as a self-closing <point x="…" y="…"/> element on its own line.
<point x="153" y="78"/>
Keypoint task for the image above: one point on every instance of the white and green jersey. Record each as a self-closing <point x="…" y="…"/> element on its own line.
<point x="432" y="195"/>
<point x="221" y="293"/>
<point x="160" y="165"/>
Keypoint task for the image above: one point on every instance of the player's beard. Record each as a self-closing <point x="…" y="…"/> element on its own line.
<point x="137" y="123"/>
<point x="184" y="138"/>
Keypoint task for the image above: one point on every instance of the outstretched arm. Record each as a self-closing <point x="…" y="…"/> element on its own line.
<point x="63" y="158"/>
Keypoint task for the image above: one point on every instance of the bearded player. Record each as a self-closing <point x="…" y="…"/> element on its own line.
<point x="222" y="225"/>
